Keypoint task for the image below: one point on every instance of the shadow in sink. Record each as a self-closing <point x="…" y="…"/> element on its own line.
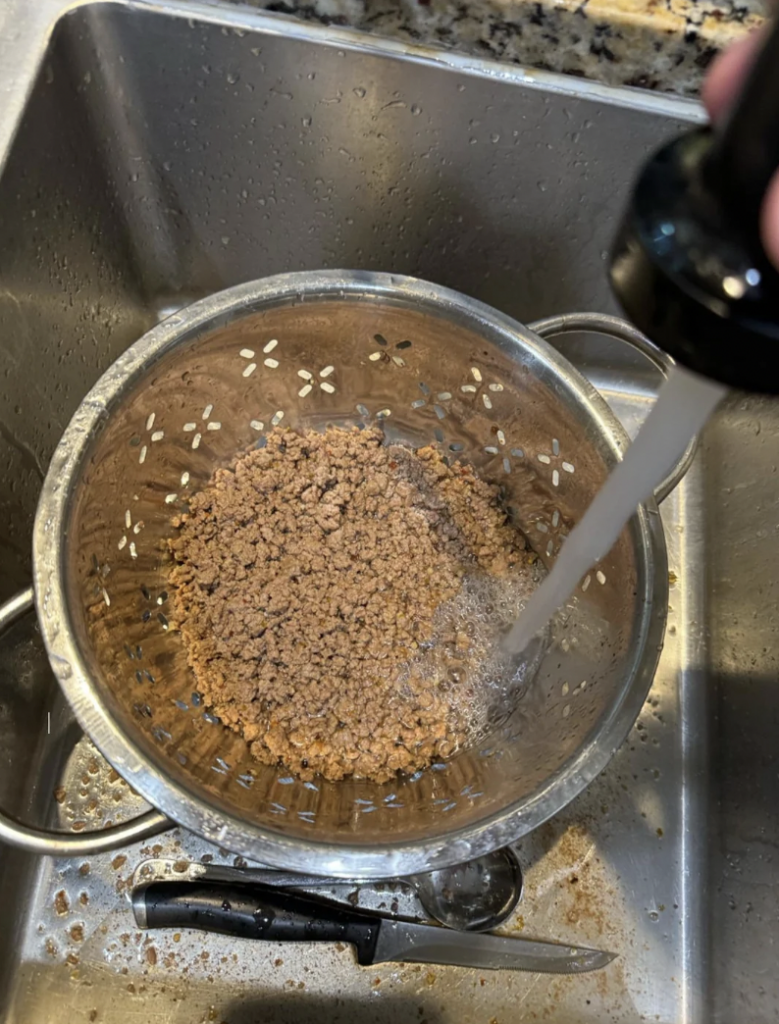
<point x="292" y="1002"/>
<point x="294" y="1007"/>
<point x="745" y="858"/>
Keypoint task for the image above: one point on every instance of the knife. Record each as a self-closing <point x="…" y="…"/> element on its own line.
<point x="254" y="911"/>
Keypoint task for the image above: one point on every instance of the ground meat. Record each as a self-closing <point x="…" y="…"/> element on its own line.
<point x="308" y="581"/>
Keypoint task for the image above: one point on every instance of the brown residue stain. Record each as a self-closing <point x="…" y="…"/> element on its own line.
<point x="574" y="843"/>
<point x="84" y="869"/>
<point x="77" y="932"/>
<point x="119" y="861"/>
<point x="60" y="795"/>
<point x="51" y="947"/>
<point x="570" y="857"/>
<point x="83" y="898"/>
<point x="151" y="955"/>
<point x="602" y="984"/>
<point x="586" y="909"/>
<point x="72" y="959"/>
<point x="181" y="866"/>
<point x="122" y="883"/>
<point x="61" y="903"/>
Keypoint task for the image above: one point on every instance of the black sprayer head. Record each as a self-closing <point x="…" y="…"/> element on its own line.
<point x="688" y="265"/>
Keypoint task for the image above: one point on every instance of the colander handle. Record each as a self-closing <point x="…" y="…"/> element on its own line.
<point x="620" y="330"/>
<point x="69" y="844"/>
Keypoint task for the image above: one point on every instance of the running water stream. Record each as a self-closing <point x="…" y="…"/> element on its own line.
<point x="684" y="404"/>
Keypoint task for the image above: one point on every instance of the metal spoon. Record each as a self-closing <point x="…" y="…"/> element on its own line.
<point x="475" y="896"/>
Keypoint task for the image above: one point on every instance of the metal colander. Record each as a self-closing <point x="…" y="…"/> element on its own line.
<point x="308" y="350"/>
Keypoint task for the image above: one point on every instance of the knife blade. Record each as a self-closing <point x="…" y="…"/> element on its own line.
<point x="254" y="911"/>
<point x="432" y="944"/>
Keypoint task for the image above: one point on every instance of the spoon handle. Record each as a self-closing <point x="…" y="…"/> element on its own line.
<point x="159" y="869"/>
<point x="290" y="880"/>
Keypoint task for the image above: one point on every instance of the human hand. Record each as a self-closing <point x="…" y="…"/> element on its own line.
<point x="722" y="86"/>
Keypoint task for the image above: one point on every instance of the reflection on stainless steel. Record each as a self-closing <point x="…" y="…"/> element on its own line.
<point x="123" y="194"/>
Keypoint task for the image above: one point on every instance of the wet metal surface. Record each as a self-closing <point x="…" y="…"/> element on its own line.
<point x="249" y="153"/>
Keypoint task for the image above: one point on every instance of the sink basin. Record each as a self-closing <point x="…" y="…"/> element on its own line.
<point x="164" y="151"/>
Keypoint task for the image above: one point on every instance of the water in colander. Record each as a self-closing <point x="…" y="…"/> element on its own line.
<point x="484" y="692"/>
<point x="684" y="404"/>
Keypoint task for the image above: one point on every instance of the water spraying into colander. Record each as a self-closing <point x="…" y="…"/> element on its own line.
<point x="685" y="403"/>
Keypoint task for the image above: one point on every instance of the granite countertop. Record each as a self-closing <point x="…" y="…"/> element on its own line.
<point x="654" y="44"/>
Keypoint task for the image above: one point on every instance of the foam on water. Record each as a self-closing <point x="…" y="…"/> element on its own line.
<point x="485" y="689"/>
<point x="684" y="404"/>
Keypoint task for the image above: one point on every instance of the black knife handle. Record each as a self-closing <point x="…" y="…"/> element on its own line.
<point x="252" y="911"/>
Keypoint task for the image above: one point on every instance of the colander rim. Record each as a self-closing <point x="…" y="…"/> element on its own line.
<point x="192" y="811"/>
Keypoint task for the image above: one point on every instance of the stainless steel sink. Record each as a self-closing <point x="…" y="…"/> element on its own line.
<point x="157" y="152"/>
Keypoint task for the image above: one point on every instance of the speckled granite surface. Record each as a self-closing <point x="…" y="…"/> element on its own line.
<point x="656" y="44"/>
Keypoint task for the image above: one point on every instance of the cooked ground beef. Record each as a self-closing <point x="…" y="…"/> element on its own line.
<point x="308" y="582"/>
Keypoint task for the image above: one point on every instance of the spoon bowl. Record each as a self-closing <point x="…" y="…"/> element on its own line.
<point x="476" y="896"/>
